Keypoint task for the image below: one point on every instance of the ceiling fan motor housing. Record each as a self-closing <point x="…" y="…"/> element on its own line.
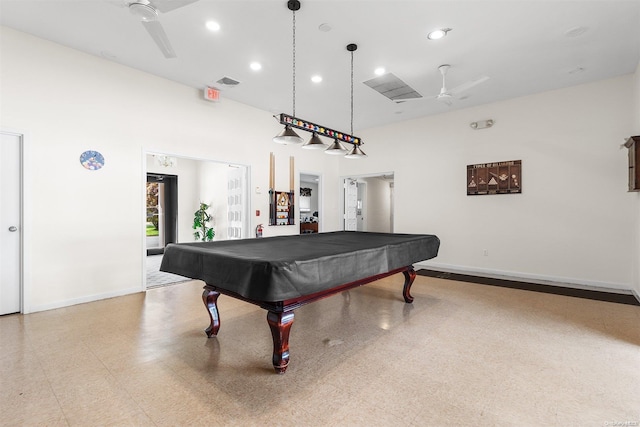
<point x="143" y="10"/>
<point x="444" y="68"/>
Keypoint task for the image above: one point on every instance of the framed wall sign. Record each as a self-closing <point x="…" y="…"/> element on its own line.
<point x="494" y="178"/>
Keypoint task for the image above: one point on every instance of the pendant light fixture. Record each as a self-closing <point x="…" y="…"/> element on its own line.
<point x="336" y="148"/>
<point x="356" y="152"/>
<point x="315" y="143"/>
<point x="288" y="135"/>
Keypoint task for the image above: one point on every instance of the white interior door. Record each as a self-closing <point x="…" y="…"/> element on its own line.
<point x="237" y="205"/>
<point x="10" y="222"/>
<point x="350" y="204"/>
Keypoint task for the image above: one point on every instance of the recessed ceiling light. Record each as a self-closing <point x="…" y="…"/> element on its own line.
<point x="316" y="79"/>
<point x="325" y="28"/>
<point x="255" y="66"/>
<point x="438" y="34"/>
<point x="379" y="71"/>
<point x="213" y="26"/>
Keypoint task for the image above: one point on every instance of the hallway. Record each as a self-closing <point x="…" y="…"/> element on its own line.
<point x="156" y="278"/>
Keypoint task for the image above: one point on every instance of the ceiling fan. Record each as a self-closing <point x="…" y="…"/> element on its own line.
<point x="447" y="95"/>
<point x="147" y="11"/>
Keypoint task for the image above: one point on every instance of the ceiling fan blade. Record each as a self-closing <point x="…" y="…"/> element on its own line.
<point x="165" y="6"/>
<point x="160" y="37"/>
<point x="468" y="85"/>
<point x="445" y="99"/>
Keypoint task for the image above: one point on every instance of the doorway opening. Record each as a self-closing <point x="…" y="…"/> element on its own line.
<point x="180" y="184"/>
<point x="368" y="203"/>
<point x="310" y="201"/>
<point x="161" y="227"/>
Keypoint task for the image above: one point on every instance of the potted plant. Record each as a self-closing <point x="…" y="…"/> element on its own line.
<point x="200" y="220"/>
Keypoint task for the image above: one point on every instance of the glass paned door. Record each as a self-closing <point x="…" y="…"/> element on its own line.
<point x="161" y="225"/>
<point x="155" y="215"/>
<point x="237" y="200"/>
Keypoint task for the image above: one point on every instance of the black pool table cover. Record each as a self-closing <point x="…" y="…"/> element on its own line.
<point x="280" y="268"/>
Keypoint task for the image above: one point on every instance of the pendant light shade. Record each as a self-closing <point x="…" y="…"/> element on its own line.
<point x="336" y="148"/>
<point x="355" y="153"/>
<point x="315" y="143"/>
<point x="287" y="136"/>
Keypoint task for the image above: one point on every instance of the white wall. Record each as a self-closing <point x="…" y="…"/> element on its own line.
<point x="86" y="228"/>
<point x="573" y="220"/>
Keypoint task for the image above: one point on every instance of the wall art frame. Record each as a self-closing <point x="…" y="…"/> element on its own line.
<point x="494" y="178"/>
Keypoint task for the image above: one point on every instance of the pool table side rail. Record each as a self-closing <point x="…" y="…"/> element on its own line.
<point x="294" y="303"/>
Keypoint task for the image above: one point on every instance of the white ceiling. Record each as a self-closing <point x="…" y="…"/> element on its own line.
<point x="523" y="46"/>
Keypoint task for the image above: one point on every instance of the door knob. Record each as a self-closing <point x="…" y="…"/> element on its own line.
<point x="13" y="228"/>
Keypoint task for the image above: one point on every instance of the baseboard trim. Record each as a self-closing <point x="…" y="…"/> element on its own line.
<point x="591" y="285"/>
<point x="82" y="300"/>
<point x="616" y="297"/>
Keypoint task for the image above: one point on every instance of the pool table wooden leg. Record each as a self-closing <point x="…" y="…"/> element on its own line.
<point x="280" y="324"/>
<point x="210" y="298"/>
<point x="409" y="277"/>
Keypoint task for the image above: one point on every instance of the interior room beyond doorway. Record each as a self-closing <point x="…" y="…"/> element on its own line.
<point x="220" y="185"/>
<point x="368" y="202"/>
<point x="309" y="201"/>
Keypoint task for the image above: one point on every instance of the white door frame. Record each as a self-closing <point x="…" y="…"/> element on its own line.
<point x="25" y="220"/>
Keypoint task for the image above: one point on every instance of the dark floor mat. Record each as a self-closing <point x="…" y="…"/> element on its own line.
<point x="514" y="284"/>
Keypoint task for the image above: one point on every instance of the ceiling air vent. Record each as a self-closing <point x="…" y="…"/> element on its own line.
<point x="228" y="82"/>
<point x="393" y="88"/>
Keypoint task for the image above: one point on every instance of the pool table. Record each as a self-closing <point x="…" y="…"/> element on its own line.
<point x="283" y="273"/>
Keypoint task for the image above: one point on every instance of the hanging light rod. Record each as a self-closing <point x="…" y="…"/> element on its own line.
<point x="294" y="122"/>
<point x="288" y="135"/>
<point x="356" y="152"/>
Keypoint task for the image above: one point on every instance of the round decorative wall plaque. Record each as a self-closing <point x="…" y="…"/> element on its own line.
<point x="92" y="160"/>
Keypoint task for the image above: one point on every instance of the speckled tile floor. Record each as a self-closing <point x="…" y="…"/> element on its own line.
<point x="461" y="354"/>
